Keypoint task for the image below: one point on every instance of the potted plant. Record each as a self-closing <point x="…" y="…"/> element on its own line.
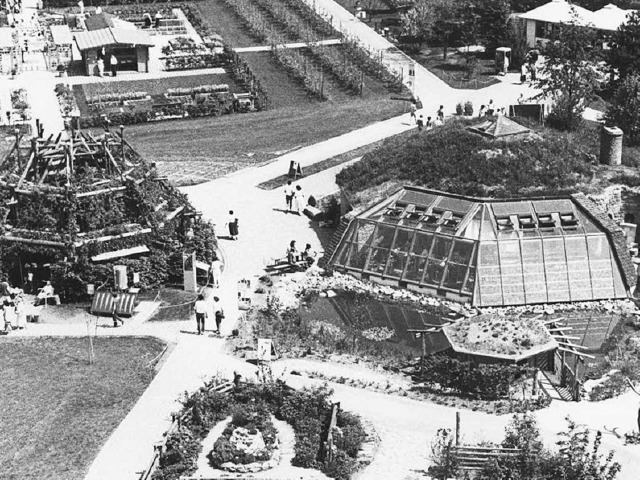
<point x="468" y="108"/>
<point x="459" y="109"/>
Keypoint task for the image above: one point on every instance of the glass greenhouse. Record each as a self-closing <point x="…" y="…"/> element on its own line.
<point x="487" y="252"/>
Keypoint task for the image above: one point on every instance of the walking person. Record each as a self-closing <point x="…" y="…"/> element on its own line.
<point x="288" y="195"/>
<point x="200" y="308"/>
<point x="216" y="271"/>
<point x="412" y="112"/>
<point x="232" y="225"/>
<point x="420" y="123"/>
<point x="299" y="200"/>
<point x="21" y="318"/>
<point x="440" y="114"/>
<point x="429" y="124"/>
<point x="218" y="313"/>
<point x="523" y="74"/>
<point x="115" y="300"/>
<point x="113" y="62"/>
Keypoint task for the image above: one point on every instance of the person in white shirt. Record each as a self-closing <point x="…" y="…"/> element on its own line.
<point x="218" y="313"/>
<point x="200" y="308"/>
<point x="288" y="195"/>
<point x="232" y="224"/>
<point x="216" y="271"/>
<point x="300" y="200"/>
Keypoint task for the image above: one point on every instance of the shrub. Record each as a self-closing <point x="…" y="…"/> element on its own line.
<point x="453" y="159"/>
<point x="615" y="385"/>
<point x="468" y="108"/>
<point x="459" y="109"/>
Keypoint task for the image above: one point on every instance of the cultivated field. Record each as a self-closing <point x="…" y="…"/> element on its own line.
<point x="217" y="145"/>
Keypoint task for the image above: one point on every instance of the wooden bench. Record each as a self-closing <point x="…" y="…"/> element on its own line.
<point x="475" y="458"/>
<point x="282" y="265"/>
<point x="103" y="304"/>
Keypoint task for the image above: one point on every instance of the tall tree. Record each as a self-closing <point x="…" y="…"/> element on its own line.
<point x="493" y="18"/>
<point x="417" y="22"/>
<point x="624" y="111"/>
<point x="569" y="74"/>
<point x="624" y="54"/>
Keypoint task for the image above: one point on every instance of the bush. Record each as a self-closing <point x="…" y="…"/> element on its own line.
<point x="468" y="108"/>
<point x="459" y="109"/>
<point x="487" y="382"/>
<point x="453" y="159"/>
<point x="624" y="111"/>
<point x="615" y="385"/>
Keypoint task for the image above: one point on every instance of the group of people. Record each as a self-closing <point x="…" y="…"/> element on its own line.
<point x="155" y="22"/>
<point x="295" y="199"/>
<point x="13" y="312"/>
<point x="202" y="311"/>
<point x="294" y="256"/>
<point x="113" y="63"/>
<point x="490" y="110"/>
<point x="429" y="123"/>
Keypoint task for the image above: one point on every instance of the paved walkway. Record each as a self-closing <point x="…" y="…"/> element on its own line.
<point x="267" y="48"/>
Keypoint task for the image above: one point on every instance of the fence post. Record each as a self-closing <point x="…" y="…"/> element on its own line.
<point x="457" y="429"/>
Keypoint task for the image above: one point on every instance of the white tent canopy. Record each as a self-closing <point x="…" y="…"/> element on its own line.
<point x="560" y="11"/>
<point x="610" y="17"/>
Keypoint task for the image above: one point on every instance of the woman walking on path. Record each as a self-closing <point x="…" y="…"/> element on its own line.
<point x="232" y="224"/>
<point x="216" y="271"/>
<point x="288" y="195"/>
<point x="299" y="200"/>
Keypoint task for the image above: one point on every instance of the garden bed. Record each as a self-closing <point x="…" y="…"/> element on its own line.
<point x="456" y="71"/>
<point x="307" y="411"/>
<point x="57" y="410"/>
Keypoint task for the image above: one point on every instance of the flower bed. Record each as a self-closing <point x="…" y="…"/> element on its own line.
<point x="66" y="100"/>
<point x="248" y="443"/>
<point x="191" y="62"/>
<point x="173" y="92"/>
<point x="117" y="97"/>
<point x="307" y="411"/>
<point x="19" y="103"/>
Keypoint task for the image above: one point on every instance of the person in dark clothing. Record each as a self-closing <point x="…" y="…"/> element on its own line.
<point x="420" y="122"/>
<point x="114" y="310"/>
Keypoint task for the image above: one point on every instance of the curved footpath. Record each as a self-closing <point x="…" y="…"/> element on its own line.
<point x="405" y="426"/>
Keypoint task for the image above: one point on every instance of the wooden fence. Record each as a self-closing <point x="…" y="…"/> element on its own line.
<point x="158" y="448"/>
<point x="475" y="458"/>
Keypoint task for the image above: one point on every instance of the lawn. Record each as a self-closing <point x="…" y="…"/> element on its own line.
<point x="455" y="70"/>
<point x="57" y="410"/>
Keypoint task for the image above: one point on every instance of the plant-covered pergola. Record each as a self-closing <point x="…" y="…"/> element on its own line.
<point x="82" y="203"/>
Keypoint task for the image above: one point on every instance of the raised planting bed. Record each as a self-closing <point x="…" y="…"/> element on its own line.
<point x="249" y="443"/>
<point x="506" y="338"/>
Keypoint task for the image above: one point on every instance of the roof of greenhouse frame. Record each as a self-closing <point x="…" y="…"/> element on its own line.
<point x="491" y="252"/>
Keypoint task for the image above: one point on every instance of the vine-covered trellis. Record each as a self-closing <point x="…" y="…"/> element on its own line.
<point x="73" y="200"/>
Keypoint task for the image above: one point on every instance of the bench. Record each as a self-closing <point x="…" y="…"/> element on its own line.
<point x="282" y="265"/>
<point x="41" y="300"/>
<point x="103" y="304"/>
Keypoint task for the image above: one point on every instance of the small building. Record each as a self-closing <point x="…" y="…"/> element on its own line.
<point x="540" y="22"/>
<point x="130" y="47"/>
<point x="60" y="48"/>
<point x="488" y="252"/>
<point x="8" y="51"/>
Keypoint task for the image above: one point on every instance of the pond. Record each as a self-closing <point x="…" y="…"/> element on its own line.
<point x="361" y="312"/>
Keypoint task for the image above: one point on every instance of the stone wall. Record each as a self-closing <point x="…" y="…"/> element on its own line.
<point x="620" y="202"/>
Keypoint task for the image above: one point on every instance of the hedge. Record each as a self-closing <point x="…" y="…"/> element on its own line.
<point x="484" y="381"/>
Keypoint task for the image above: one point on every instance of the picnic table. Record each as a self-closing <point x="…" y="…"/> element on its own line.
<point x="283" y="265"/>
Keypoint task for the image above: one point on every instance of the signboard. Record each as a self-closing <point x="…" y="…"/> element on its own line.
<point x="265" y="348"/>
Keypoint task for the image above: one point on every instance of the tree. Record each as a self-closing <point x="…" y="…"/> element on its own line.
<point x="624" y="54"/>
<point x="417" y="22"/>
<point x="445" y="462"/>
<point x="493" y="18"/>
<point x="624" y="111"/>
<point x="569" y="74"/>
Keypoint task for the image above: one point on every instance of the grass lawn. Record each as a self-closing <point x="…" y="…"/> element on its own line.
<point x="57" y="410"/>
<point x="454" y="70"/>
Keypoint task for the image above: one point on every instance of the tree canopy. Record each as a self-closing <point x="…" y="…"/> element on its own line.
<point x="570" y="72"/>
<point x="624" y="53"/>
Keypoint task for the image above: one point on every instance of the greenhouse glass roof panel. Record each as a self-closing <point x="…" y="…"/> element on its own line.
<point x="495" y="253"/>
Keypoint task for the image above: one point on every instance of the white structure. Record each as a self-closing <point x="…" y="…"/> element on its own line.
<point x="540" y="21"/>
